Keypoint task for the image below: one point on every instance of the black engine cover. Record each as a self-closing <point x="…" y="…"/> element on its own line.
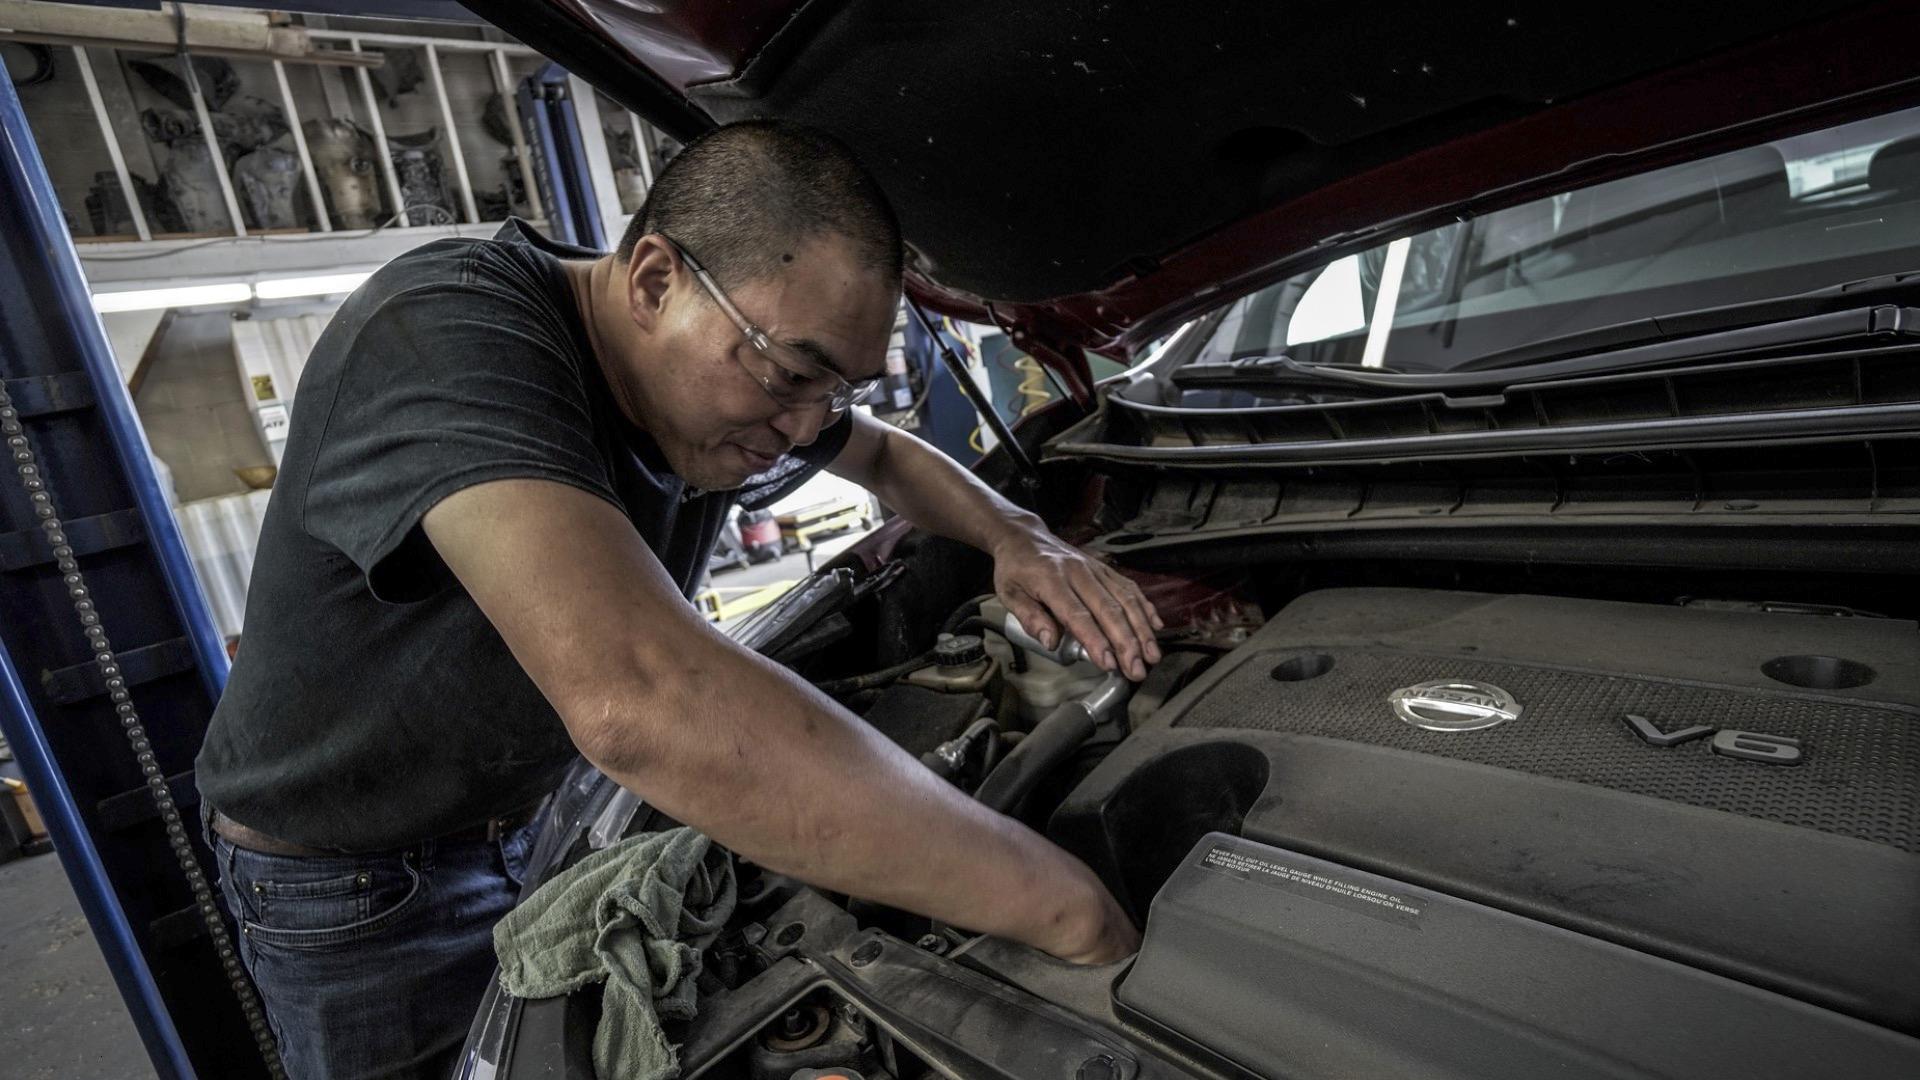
<point x="1801" y="879"/>
<point x="1280" y="964"/>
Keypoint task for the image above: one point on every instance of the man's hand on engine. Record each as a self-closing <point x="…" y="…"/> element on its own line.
<point x="1047" y="584"/>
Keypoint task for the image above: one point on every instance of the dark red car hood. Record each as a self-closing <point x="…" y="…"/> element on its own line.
<point x="1089" y="174"/>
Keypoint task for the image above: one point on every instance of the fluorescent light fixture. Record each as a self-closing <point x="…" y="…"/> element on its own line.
<point x="229" y="292"/>
<point x="282" y="288"/>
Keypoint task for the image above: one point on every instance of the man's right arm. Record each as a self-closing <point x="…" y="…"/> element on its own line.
<point x="739" y="747"/>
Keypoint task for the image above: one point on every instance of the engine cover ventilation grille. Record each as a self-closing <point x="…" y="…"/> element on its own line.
<point x="1860" y="776"/>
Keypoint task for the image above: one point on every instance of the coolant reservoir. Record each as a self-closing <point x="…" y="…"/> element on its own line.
<point x="1043" y="685"/>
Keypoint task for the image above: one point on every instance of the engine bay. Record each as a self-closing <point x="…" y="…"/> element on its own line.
<point x="1384" y="831"/>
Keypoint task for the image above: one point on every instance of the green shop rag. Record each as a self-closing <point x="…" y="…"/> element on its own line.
<point x="635" y="916"/>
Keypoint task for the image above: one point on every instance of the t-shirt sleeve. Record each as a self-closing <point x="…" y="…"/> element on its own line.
<point x="445" y="385"/>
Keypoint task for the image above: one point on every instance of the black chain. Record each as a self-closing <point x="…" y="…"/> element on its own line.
<point x="49" y="520"/>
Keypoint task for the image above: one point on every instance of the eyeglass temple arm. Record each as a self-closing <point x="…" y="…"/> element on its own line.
<point x="721" y="298"/>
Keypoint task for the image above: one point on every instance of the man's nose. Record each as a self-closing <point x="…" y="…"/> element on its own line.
<point x="801" y="424"/>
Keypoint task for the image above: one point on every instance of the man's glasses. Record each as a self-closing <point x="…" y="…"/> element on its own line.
<point x="789" y="376"/>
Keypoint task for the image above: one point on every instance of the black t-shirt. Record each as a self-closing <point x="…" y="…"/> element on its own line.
<point x="371" y="704"/>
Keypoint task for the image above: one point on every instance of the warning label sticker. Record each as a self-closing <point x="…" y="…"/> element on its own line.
<point x="1314" y="884"/>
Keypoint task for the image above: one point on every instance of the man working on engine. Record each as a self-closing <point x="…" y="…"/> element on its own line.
<point x="508" y="462"/>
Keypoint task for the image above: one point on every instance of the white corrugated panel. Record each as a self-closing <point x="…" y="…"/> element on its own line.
<point x="271" y="354"/>
<point x="222" y="535"/>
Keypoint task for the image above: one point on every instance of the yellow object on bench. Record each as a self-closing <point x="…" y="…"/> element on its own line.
<point x="23" y="799"/>
<point x="719" y="604"/>
<point x="800" y="527"/>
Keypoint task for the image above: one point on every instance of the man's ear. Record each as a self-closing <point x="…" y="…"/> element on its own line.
<point x="649" y="277"/>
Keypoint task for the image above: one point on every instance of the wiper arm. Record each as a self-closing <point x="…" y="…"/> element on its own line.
<point x="1287" y="371"/>
<point x="1858" y="328"/>
<point x="1787" y="314"/>
<point x="1803" y="320"/>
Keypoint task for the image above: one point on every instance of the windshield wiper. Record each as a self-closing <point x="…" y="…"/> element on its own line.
<point x="1285" y="371"/>
<point x="1796" y="321"/>
<point x="1785" y="315"/>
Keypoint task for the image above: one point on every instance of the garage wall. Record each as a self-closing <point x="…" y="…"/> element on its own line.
<point x="193" y="408"/>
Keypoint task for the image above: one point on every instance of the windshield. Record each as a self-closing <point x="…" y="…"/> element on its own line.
<point x="1771" y="220"/>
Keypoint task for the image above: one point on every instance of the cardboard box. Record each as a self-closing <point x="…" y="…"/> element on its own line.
<point x="29" y="812"/>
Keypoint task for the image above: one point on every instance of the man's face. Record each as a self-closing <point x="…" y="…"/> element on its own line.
<point x="713" y="420"/>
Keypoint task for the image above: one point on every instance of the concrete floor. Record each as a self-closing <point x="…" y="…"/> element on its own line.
<point x="60" y="1014"/>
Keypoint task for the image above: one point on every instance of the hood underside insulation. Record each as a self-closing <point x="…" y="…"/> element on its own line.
<point x="1036" y="151"/>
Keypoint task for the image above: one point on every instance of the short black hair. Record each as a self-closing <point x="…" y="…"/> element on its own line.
<point x="742" y="196"/>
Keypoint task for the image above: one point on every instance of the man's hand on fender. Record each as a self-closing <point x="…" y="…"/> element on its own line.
<point x="1047" y="584"/>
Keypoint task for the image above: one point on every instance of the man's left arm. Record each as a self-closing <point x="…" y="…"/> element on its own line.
<point x="1042" y="580"/>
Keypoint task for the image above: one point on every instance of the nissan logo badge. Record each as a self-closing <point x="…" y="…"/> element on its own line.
<point x="1452" y="705"/>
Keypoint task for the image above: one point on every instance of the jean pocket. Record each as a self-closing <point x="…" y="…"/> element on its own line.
<point x="317" y="904"/>
<point x="516" y="849"/>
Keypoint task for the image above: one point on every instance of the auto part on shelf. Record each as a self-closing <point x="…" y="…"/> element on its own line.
<point x="192" y="186"/>
<point x="343" y="155"/>
<point x="422" y="174"/>
<point x="400" y="72"/>
<point x="268" y="179"/>
<point x="107" y="211"/>
<point x="215" y="75"/>
<point x="43" y="69"/>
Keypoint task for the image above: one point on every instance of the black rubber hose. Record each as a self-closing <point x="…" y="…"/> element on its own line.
<point x="967" y="613"/>
<point x="974" y="624"/>
<point x="1052" y="741"/>
<point x="874" y="679"/>
<point x="968" y="610"/>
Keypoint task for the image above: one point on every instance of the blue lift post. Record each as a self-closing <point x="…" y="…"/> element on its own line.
<point x="545" y="101"/>
<point x="67" y="423"/>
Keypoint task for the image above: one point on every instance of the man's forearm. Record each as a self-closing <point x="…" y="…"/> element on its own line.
<point x="736" y="746"/>
<point x="768" y="767"/>
<point x="933" y="492"/>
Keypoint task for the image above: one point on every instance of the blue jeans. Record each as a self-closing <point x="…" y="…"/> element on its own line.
<point x="372" y="965"/>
